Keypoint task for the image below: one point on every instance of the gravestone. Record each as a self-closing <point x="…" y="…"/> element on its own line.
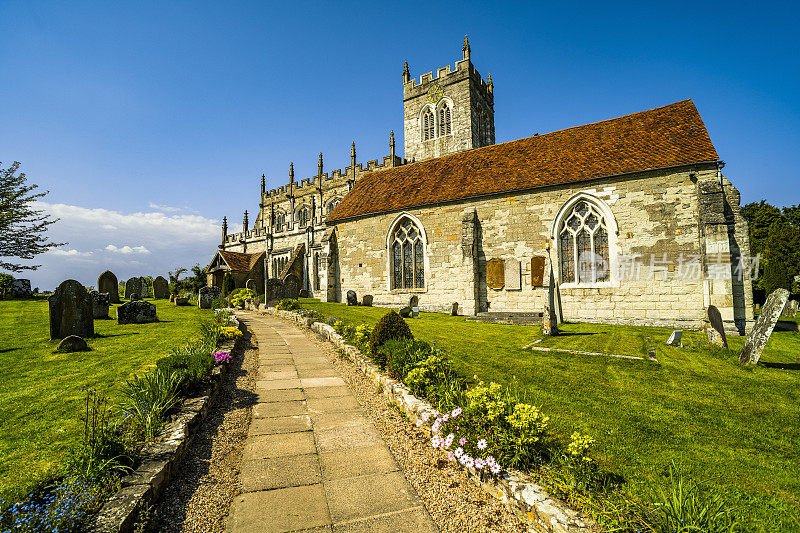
<point x="207" y="295"/>
<point x="134" y="286"/>
<point x="549" y="323"/>
<point x="537" y="271"/>
<point x="107" y="282"/>
<point x="758" y="337"/>
<point x="181" y="301"/>
<point x="512" y="275"/>
<point x="413" y="301"/>
<point x="454" y="309"/>
<point x="352" y="298"/>
<point x="20" y="288"/>
<point x="136" y="312"/>
<point x="405" y="312"/>
<point x="715" y="321"/>
<point x="100" y="301"/>
<point x="70" y="311"/>
<point x="73" y="343"/>
<point x="793" y="305"/>
<point x="367" y="300"/>
<point x="250" y="284"/>
<point x="651" y="348"/>
<point x="675" y="338"/>
<point x="292" y="284"/>
<point x="495" y="274"/>
<point x="275" y="290"/>
<point x="415" y="312"/>
<point x="160" y="288"/>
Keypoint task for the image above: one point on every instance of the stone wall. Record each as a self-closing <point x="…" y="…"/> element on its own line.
<point x="655" y="212"/>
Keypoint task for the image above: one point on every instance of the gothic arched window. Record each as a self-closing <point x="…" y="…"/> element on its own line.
<point x="428" y="125"/>
<point x="407" y="256"/>
<point x="583" y="245"/>
<point x="280" y="221"/>
<point x="302" y="217"/>
<point x="444" y="120"/>
<point x="332" y="205"/>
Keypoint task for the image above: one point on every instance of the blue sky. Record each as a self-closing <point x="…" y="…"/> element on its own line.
<point x="149" y="121"/>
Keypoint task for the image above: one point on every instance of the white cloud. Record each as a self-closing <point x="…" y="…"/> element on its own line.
<point x="127" y="249"/>
<point x="108" y="227"/>
<point x="166" y="208"/>
<point x="69" y="253"/>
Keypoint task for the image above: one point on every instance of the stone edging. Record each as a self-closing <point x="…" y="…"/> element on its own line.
<point x="527" y="498"/>
<point x="144" y="486"/>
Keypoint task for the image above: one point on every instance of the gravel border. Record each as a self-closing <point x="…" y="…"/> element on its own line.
<point x="199" y="496"/>
<point x="455" y="503"/>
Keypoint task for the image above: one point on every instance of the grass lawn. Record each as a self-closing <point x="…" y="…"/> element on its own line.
<point x="737" y="428"/>
<point x="41" y="396"/>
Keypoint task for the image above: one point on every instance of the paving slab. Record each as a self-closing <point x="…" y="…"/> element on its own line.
<point x="270" y="376"/>
<point x="327" y="392"/>
<point x="269" y="410"/>
<point x="323" y="421"/>
<point x="278" y="384"/>
<point x="374" y="459"/>
<point x="279" y="445"/>
<point x="307" y="383"/>
<point x="280" y="510"/>
<point x="281" y="424"/>
<point x="333" y="404"/>
<point x="279" y="395"/>
<point x="348" y="437"/>
<point x="364" y="496"/>
<point x="407" y="521"/>
<point x="280" y="472"/>
<point x="315" y="372"/>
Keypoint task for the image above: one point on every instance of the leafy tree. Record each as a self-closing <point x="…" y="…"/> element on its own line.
<point x="792" y="214"/>
<point x="22" y="228"/>
<point x="5" y="283"/>
<point x="760" y="217"/>
<point x="781" y="256"/>
<point x="197" y="280"/>
<point x="175" y="284"/>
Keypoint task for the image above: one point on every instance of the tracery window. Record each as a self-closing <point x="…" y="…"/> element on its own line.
<point x="280" y="221"/>
<point x="316" y="271"/>
<point x="583" y="245"/>
<point x="332" y="204"/>
<point x="428" y="125"/>
<point x="407" y="254"/>
<point x="444" y="120"/>
<point x="302" y="217"/>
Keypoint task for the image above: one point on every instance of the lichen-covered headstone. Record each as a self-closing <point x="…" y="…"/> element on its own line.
<point x="100" y="301"/>
<point x="454" y="309"/>
<point x="415" y="312"/>
<point x="675" y="338"/>
<point x="134" y="286"/>
<point x="352" y="297"/>
<point x="207" y="295"/>
<point x="291" y="284"/>
<point x="160" y="288"/>
<point x="758" y="337"/>
<point x="367" y="300"/>
<point x="275" y="290"/>
<point x="413" y="301"/>
<point x="136" y="312"/>
<point x="107" y="282"/>
<point x="20" y="288"/>
<point x="73" y="343"/>
<point x="549" y="323"/>
<point x="70" y="311"/>
<point x="716" y="333"/>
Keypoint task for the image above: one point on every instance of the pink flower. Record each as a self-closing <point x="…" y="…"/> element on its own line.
<point x="459" y="452"/>
<point x="495" y="468"/>
<point x="479" y="463"/>
<point x="469" y="462"/>
<point x="436" y="441"/>
<point x="448" y="441"/>
<point x="445" y="418"/>
<point x="435" y="427"/>
<point x="457" y="411"/>
<point x="482" y="444"/>
<point x="490" y="460"/>
<point x="425" y="416"/>
<point x="462" y="441"/>
<point x="451" y="456"/>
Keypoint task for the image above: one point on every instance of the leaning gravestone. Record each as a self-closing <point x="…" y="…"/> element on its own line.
<point x="107" y="282"/>
<point x="20" y="288"/>
<point x="292" y="284"/>
<point x="716" y="334"/>
<point x="70" y="311"/>
<point x="549" y="322"/>
<point x="352" y="298"/>
<point x="207" y="295"/>
<point x="275" y="290"/>
<point x="367" y="300"/>
<point x="759" y="336"/>
<point x="160" y="288"/>
<point x="100" y="302"/>
<point x="136" y="312"/>
<point x="675" y="338"/>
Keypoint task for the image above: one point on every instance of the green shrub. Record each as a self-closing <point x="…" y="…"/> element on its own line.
<point x="220" y="303"/>
<point x="146" y="399"/>
<point x="227" y="283"/>
<point x="192" y="363"/>
<point x="390" y="326"/>
<point x="400" y="355"/>
<point x="288" y="304"/>
<point x="238" y="296"/>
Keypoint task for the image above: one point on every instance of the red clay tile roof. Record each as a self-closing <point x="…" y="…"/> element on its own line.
<point x="239" y="261"/>
<point x="663" y="137"/>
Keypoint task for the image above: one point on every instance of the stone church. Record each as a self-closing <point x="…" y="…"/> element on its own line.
<point x="630" y="218"/>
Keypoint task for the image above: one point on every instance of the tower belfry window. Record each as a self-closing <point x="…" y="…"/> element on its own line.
<point x="428" y="125"/>
<point x="444" y="120"/>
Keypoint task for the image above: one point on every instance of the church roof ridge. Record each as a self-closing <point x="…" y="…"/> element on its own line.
<point x="661" y="137"/>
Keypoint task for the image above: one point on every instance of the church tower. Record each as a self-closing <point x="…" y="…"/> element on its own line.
<point x="449" y="113"/>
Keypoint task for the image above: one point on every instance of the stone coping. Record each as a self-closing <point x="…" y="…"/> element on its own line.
<point x="528" y="499"/>
<point x="159" y="459"/>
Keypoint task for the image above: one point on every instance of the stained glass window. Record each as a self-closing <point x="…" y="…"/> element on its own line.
<point x="407" y="252"/>
<point x="583" y="245"/>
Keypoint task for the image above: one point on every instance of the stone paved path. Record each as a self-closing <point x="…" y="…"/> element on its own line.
<point x="312" y="460"/>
